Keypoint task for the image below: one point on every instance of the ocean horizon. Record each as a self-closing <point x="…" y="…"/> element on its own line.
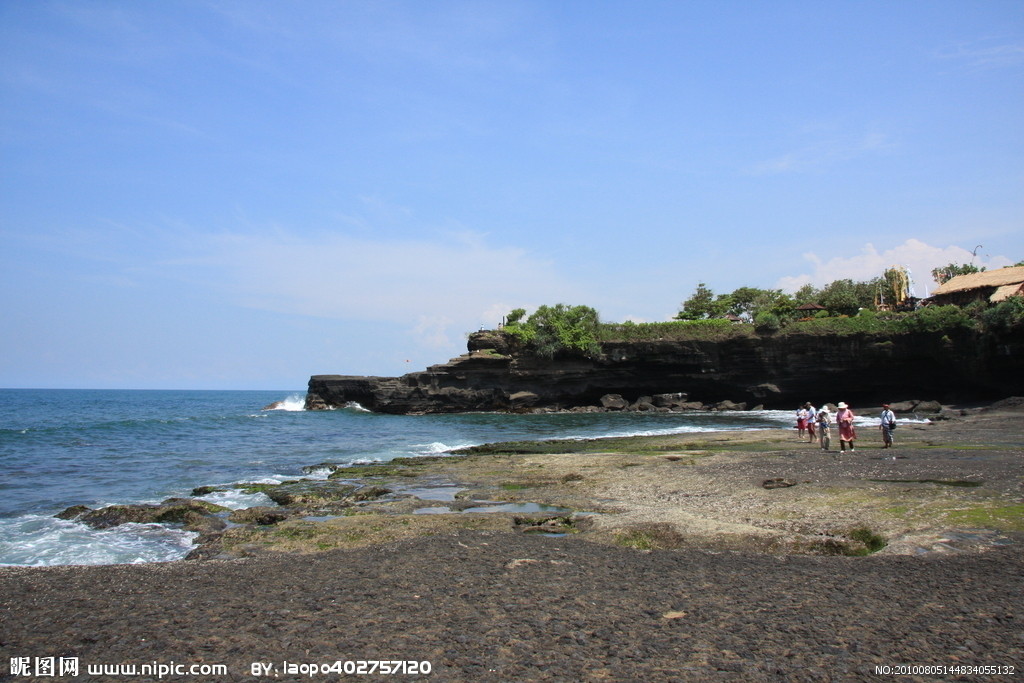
<point x="99" y="447"/>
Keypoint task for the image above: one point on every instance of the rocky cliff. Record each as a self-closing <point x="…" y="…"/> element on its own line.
<point x="774" y="371"/>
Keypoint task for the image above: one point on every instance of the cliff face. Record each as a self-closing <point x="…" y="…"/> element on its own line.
<point x="778" y="372"/>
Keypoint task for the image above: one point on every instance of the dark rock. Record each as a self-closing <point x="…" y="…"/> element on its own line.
<point x="370" y="493"/>
<point x="669" y="400"/>
<point x="193" y="515"/>
<point x="330" y="466"/>
<point x="263" y="516"/>
<point x="778" y="371"/>
<point x="928" y="407"/>
<point x="308" y="493"/>
<point x="614" y="402"/>
<point x="205" y="490"/>
<point x="777" y="483"/>
<point x="274" y="406"/>
<point x="115" y="515"/>
<point x="73" y="512"/>
<point x="522" y="399"/>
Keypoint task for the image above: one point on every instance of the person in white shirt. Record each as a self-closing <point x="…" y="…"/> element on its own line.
<point x="812" y="418"/>
<point x="886" y="425"/>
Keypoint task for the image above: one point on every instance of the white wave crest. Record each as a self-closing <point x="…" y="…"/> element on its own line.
<point x="36" y="540"/>
<point x="293" y="404"/>
<point x="436" y="448"/>
<point x="236" y="499"/>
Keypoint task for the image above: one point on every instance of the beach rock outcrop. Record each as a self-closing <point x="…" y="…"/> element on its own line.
<point x="773" y="371"/>
<point x="193" y="515"/>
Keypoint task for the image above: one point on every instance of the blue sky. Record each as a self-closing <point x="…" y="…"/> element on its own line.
<point x="242" y="194"/>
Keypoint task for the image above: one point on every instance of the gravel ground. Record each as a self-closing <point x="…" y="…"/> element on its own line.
<point x="492" y="606"/>
<point x="501" y="606"/>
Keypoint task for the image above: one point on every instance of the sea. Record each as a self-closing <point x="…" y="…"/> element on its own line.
<point x="60" y="448"/>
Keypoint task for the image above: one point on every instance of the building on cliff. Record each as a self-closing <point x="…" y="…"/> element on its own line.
<point x="991" y="286"/>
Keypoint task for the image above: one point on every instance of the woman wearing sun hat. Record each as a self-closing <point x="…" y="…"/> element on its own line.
<point x="847" y="434"/>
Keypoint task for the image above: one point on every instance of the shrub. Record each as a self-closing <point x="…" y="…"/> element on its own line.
<point x="838" y="325"/>
<point x="552" y="330"/>
<point x="767" y="322"/>
<point x="1005" y="316"/>
<point x="676" y="330"/>
<point x="933" y="319"/>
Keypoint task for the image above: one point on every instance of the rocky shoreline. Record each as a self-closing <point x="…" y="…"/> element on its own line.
<point x="721" y="556"/>
<point x="706" y="490"/>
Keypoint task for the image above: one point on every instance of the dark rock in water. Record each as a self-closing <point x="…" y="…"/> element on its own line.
<point x="205" y="490"/>
<point x="777" y="371"/>
<point x="614" y="402"/>
<point x="263" y="516"/>
<point x="274" y="406"/>
<point x="307" y="493"/>
<point x="670" y="400"/>
<point x="116" y="515"/>
<point x="193" y="515"/>
<point x="73" y="512"/>
<point x="330" y="466"/>
<point x="777" y="483"/>
<point x="644" y="404"/>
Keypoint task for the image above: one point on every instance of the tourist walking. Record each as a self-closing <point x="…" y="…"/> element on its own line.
<point x="812" y="418"/>
<point x="847" y="433"/>
<point x="801" y="421"/>
<point x="887" y="423"/>
<point x="824" y="419"/>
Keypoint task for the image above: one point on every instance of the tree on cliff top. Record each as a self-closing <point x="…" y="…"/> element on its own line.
<point x="704" y="304"/>
<point x="558" y="329"/>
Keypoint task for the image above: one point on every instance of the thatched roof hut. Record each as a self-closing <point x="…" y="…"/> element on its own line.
<point x="990" y="285"/>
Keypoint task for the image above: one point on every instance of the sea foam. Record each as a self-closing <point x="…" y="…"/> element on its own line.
<point x="38" y="540"/>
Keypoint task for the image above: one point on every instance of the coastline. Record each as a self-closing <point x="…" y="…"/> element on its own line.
<point x="757" y="491"/>
<point x="689" y="568"/>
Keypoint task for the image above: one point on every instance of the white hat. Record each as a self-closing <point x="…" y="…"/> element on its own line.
<point x="841" y="405"/>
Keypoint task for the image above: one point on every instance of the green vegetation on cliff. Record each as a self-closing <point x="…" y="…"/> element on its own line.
<point x="579" y="335"/>
<point x="882" y="306"/>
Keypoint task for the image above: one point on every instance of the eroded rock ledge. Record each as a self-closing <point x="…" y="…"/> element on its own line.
<point x="774" y="372"/>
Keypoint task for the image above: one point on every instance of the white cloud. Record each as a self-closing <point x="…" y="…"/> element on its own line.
<point x="438" y="289"/>
<point x="920" y="258"/>
<point x="985" y="54"/>
<point x="823" y="150"/>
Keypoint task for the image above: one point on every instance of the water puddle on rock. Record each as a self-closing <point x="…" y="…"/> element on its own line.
<point x="950" y="541"/>
<point x="515" y="508"/>
<point x="441" y="492"/>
